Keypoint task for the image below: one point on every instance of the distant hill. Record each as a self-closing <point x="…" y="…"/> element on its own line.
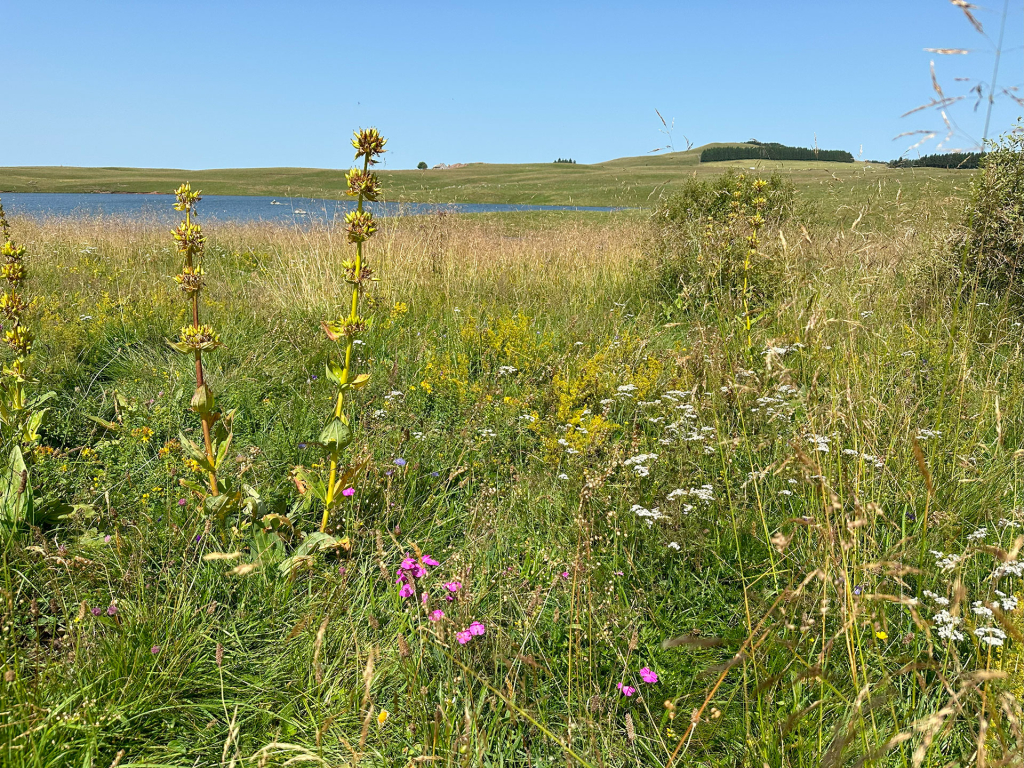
<point x="624" y="181"/>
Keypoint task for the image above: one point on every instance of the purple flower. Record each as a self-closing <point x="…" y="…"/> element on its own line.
<point x="97" y="611"/>
<point x="314" y="377"/>
<point x="565" y="575"/>
<point x="349" y="492"/>
<point x="155" y="650"/>
<point x="399" y="462"/>
<point x="407" y="590"/>
<point x="463" y="637"/>
<point x="627" y="690"/>
<point x="428" y="560"/>
<point x="341" y="570"/>
<point x="476" y="628"/>
<point x="648" y="676"/>
<point x="302" y="446"/>
<point x="436" y="615"/>
<point x="199" y="537"/>
<point x="111" y="610"/>
<point x="181" y="502"/>
<point x="435" y="474"/>
<point x="425" y="597"/>
<point x="453" y="586"/>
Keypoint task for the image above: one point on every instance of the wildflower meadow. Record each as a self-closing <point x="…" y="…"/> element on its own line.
<point x="736" y="479"/>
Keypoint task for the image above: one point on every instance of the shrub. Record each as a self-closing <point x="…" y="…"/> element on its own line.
<point x="421" y="165"/>
<point x="707" y="240"/>
<point x="995" y="216"/>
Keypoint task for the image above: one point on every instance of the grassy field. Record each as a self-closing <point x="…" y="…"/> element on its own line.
<point x="786" y="536"/>
<point x="628" y="181"/>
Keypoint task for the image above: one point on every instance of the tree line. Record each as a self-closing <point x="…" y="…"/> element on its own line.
<point x="755" y="150"/>
<point x="964" y="160"/>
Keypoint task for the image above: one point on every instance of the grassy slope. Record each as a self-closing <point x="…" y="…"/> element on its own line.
<point x="632" y="181"/>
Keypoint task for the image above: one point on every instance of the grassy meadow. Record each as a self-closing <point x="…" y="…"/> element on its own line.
<point x="626" y="181"/>
<point x="685" y="539"/>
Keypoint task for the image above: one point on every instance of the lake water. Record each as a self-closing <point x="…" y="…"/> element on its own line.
<point x="235" y="208"/>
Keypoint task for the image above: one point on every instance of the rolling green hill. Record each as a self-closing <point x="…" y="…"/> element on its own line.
<point x="626" y="181"/>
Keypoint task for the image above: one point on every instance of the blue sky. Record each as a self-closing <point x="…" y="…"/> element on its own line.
<point x="227" y="84"/>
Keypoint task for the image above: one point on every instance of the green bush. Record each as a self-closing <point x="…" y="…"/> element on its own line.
<point x="995" y="216"/>
<point x="700" y="240"/>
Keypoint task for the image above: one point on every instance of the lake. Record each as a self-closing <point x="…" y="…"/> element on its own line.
<point x="236" y="208"/>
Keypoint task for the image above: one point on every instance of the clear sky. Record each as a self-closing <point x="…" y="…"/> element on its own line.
<point x="216" y="83"/>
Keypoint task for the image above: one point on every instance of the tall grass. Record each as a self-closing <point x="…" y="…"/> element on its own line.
<point x="756" y="521"/>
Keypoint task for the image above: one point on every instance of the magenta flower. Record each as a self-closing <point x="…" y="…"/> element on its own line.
<point x="428" y="560"/>
<point x="565" y="575"/>
<point x="97" y="611"/>
<point x="436" y="615"/>
<point x="407" y="590"/>
<point x="476" y="628"/>
<point x="627" y="690"/>
<point x="648" y="675"/>
<point x="453" y="586"/>
<point x="425" y="598"/>
<point x="408" y="564"/>
<point x="111" y="610"/>
<point x="181" y="502"/>
<point x="463" y="637"/>
<point x="349" y="492"/>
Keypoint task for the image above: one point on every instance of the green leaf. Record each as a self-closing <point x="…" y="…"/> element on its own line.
<point x="336" y="435"/>
<point x="112" y="426"/>
<point x="195" y="452"/>
<point x="222" y="450"/>
<point x="16" y="503"/>
<point x="335" y="372"/>
<point x="203" y="400"/>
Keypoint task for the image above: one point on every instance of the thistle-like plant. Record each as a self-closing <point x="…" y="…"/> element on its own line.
<point x="195" y="338"/>
<point x="360" y="226"/>
<point x="21" y="415"/>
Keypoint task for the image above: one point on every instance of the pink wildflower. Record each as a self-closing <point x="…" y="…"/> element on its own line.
<point x="476" y="628"/>
<point x="648" y="675"/>
<point x="406" y="590"/>
<point x="565" y="575"/>
<point x="463" y="637"/>
<point x="425" y="598"/>
<point x="428" y="560"/>
<point x="436" y="615"/>
<point x="453" y="586"/>
<point x="627" y="690"/>
<point x="349" y="492"/>
<point x="408" y="564"/>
